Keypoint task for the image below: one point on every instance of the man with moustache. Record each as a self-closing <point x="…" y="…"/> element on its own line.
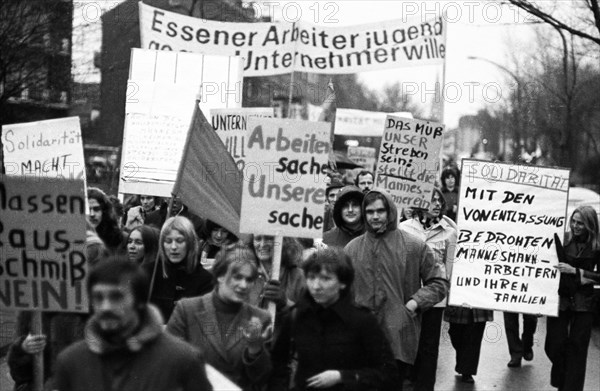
<point x="124" y="346"/>
<point x="347" y="216"/>
<point x="364" y="180"/>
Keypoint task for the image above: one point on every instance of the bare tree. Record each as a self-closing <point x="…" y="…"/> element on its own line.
<point x="558" y="106"/>
<point x="585" y="23"/>
<point x="24" y="30"/>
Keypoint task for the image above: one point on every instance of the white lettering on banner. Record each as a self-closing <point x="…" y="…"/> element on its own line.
<point x="42" y="236"/>
<point x="505" y="254"/>
<point x="408" y="160"/>
<point x="277" y="48"/>
<point x="289" y="199"/>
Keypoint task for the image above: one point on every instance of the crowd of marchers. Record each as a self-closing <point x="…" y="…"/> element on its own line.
<point x="361" y="309"/>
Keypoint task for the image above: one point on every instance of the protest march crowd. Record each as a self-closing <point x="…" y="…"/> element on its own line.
<point x="361" y="309"/>
<point x="276" y="282"/>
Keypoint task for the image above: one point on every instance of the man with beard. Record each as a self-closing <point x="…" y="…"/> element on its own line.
<point x="124" y="347"/>
<point x="103" y="219"/>
<point x="347" y="216"/>
<point x="397" y="276"/>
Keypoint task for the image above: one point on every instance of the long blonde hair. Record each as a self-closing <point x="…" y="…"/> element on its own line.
<point x="590" y="222"/>
<point x="185" y="227"/>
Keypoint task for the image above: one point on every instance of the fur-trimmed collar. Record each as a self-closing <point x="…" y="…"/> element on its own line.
<point x="148" y="331"/>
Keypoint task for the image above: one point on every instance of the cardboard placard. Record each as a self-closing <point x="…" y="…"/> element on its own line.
<point x="161" y="94"/>
<point x="408" y="160"/>
<point x="42" y="237"/>
<point x="505" y="254"/>
<point x="231" y="126"/>
<point x="284" y="183"/>
<point x="44" y="149"/>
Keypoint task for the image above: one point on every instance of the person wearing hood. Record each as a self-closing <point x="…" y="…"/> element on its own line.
<point x="440" y="234"/>
<point x="347" y="216"/>
<point x="397" y="276"/>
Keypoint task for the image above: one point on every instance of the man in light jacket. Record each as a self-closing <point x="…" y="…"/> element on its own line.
<point x="397" y="276"/>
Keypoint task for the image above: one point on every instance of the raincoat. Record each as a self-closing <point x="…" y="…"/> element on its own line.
<point x="391" y="268"/>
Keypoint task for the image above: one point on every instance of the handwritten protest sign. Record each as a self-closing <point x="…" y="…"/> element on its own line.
<point x="284" y="188"/>
<point x="42" y="234"/>
<point x="44" y="149"/>
<point x="505" y="255"/>
<point x="277" y="48"/>
<point x="161" y="93"/>
<point x="365" y="156"/>
<point x="408" y="160"/>
<point x="231" y="126"/>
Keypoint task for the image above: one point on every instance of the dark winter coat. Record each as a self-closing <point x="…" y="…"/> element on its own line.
<point x="179" y="284"/>
<point x="150" y="360"/>
<point x="341" y="337"/>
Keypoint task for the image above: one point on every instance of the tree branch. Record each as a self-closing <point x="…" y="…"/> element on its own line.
<point x="558" y="24"/>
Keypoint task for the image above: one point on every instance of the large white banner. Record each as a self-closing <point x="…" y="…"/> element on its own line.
<point x="42" y="244"/>
<point x="278" y="48"/>
<point x="284" y="183"/>
<point x="408" y="160"/>
<point x="44" y="149"/>
<point x="506" y="254"/>
<point x="232" y="124"/>
<point x="161" y="94"/>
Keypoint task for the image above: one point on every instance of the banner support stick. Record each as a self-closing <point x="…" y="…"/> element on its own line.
<point x="38" y="358"/>
<point x="275" y="269"/>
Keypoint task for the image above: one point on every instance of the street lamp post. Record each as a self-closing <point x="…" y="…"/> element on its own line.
<point x="516" y="110"/>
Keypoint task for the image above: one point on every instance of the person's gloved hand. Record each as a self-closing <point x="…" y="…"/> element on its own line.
<point x="274" y="292"/>
<point x="33" y="344"/>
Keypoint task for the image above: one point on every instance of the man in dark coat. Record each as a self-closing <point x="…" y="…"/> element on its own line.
<point x="125" y="347"/>
<point x="347" y="216"/>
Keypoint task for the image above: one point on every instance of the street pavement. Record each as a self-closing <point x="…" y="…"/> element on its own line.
<point x="493" y="374"/>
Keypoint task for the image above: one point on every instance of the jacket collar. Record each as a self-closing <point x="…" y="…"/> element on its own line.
<point x="206" y="315"/>
<point x="341" y="307"/>
<point x="149" y="330"/>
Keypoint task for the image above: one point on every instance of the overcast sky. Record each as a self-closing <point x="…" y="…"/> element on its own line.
<point x="482" y="29"/>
